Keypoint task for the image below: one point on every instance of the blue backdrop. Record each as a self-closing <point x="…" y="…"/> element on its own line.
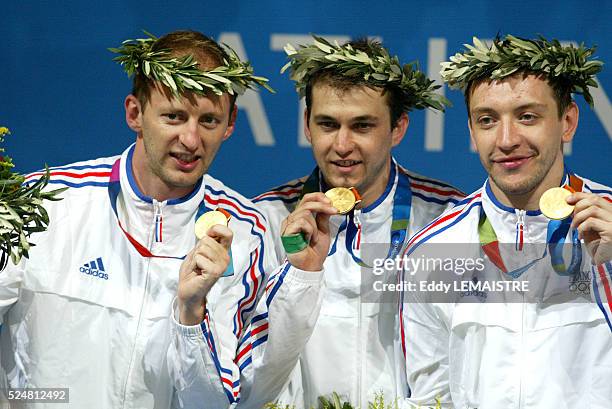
<point x="62" y="96"/>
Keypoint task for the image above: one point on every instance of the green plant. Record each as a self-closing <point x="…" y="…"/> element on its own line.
<point x="21" y="209"/>
<point x="334" y="402"/>
<point x="277" y="406"/>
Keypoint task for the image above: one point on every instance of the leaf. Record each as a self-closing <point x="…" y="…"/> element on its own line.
<point x="23" y="241"/>
<point x="4" y="223"/>
<point x="191" y="83"/>
<point x="360" y="56"/>
<point x="169" y="81"/>
<point x="15" y="257"/>
<point x="289" y="49"/>
<point x="396" y="69"/>
<point x="217" y="78"/>
<point x="480" y="45"/>
<point x="524" y="44"/>
<point x="285" y="67"/>
<point x="336" y="399"/>
<point x="323" y="47"/>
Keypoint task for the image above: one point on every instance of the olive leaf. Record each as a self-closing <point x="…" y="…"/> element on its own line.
<point x="180" y="74"/>
<point x="374" y="65"/>
<point x="506" y="56"/>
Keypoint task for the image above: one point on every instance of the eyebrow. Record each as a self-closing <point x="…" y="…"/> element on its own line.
<point x="531" y="105"/>
<point x="365" y="118"/>
<point x="322" y="117"/>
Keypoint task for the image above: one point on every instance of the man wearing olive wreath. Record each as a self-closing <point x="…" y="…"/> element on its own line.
<point x="92" y="308"/>
<point x="357" y="103"/>
<point x="549" y="345"/>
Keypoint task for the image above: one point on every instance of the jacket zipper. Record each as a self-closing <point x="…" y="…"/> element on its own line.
<point x="357" y="243"/>
<point x="359" y="329"/>
<point x="520" y="227"/>
<point x="158" y="221"/>
<point x="135" y="346"/>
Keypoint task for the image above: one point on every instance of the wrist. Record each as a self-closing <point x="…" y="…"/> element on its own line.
<point x="304" y="264"/>
<point x="191" y="313"/>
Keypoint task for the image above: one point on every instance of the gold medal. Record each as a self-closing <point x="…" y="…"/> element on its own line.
<point x="343" y="199"/>
<point x="209" y="219"/>
<point x="553" y="204"/>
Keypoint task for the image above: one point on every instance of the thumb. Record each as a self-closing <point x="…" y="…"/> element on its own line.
<point x="222" y="234"/>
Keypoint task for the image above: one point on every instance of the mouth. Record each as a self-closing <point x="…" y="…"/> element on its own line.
<point x="512" y="162"/>
<point x="345" y="165"/>
<point x="185" y="161"/>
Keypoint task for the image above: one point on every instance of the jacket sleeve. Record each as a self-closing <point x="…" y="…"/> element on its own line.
<point x="194" y="366"/>
<point x="249" y="342"/>
<point x="602" y="289"/>
<point x="10" y="283"/>
<point x="269" y="350"/>
<point x="424" y="335"/>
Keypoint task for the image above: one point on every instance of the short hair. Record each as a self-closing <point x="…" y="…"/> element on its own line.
<point x="342" y="82"/>
<point x="205" y="50"/>
<point x="562" y="89"/>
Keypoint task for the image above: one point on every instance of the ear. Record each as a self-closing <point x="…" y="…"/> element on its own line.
<point x="570" y="122"/>
<point x="307" y="127"/>
<point x="133" y="113"/>
<point x="398" y="132"/>
<point x="232" y="123"/>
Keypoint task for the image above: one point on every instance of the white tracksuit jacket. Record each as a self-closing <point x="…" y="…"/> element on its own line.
<point x="91" y="309"/>
<point x="353" y="349"/>
<point x="554" y="351"/>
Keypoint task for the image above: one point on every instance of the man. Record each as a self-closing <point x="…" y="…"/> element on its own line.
<point x="356" y="112"/>
<point x="544" y="345"/>
<point x="90" y="310"/>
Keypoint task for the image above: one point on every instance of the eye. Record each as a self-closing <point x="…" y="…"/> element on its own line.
<point x="209" y="121"/>
<point x="528" y="118"/>
<point x="486" y="121"/>
<point x="327" y="125"/>
<point x="173" y="117"/>
<point x="363" y="126"/>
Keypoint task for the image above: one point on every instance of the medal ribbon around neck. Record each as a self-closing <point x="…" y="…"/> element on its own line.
<point x="402" y="200"/>
<point x="556" y="232"/>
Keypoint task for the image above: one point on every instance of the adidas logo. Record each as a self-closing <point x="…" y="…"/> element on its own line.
<point x="94" y="268"/>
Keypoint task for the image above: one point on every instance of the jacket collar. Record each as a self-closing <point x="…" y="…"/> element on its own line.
<point x="141" y="215"/>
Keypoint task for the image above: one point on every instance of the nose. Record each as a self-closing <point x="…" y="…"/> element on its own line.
<point x="189" y="136"/>
<point x="343" y="141"/>
<point x="509" y="136"/>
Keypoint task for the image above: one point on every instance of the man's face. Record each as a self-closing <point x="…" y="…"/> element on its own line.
<point x="177" y="140"/>
<point x="515" y="127"/>
<point x="352" y="138"/>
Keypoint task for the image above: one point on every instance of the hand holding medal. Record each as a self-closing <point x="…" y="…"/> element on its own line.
<point x="592" y="216"/>
<point x="343" y="199"/>
<point x="305" y="236"/>
<point x="210" y="219"/>
<point x="203" y="265"/>
<point x="593" y="220"/>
